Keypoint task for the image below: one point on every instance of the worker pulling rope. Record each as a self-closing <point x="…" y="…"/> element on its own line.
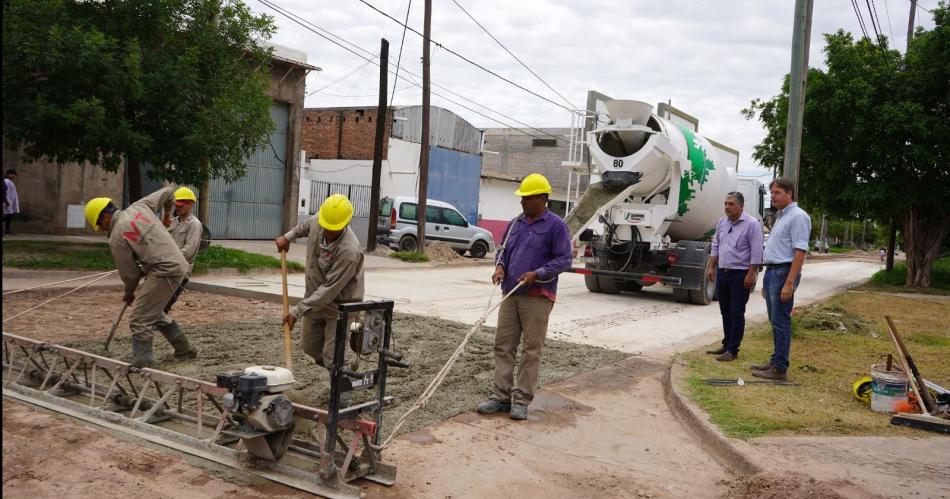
<point x="441" y="375"/>
<point x="58" y="282"/>
<point x="57" y="297"/>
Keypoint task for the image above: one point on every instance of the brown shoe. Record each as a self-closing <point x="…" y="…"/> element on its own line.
<point x="718" y="351"/>
<point x="727" y="357"/>
<point x="761" y="367"/>
<point x="770" y="373"/>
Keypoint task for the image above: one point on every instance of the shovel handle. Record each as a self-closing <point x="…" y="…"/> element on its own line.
<point x="115" y="325"/>
<point x="288" y="359"/>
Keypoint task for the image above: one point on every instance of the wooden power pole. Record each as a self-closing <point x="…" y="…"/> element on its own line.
<point x="382" y="118"/>
<point x="801" y="36"/>
<point x="424" y="150"/>
<point x="892" y="225"/>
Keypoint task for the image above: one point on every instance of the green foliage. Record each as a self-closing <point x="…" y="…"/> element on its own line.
<point x="940" y="275"/>
<point x="61" y="255"/>
<point x="171" y="82"/>
<point x="409" y="256"/>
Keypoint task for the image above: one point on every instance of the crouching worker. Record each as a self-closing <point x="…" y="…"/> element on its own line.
<point x="334" y="275"/>
<point x="536" y="248"/>
<point x="186" y="231"/>
<point x="138" y="240"/>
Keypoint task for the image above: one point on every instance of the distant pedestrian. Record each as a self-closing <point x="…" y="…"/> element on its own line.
<point x="11" y="201"/>
<point x="784" y="256"/>
<point x="536" y="248"/>
<point x="882" y="254"/>
<point x="734" y="265"/>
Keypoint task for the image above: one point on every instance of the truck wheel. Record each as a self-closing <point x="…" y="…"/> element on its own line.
<point x="609" y="285"/>
<point x="407" y="243"/>
<point x="703" y="295"/>
<point x="479" y="249"/>
<point x="681" y="295"/>
<point x="592" y="283"/>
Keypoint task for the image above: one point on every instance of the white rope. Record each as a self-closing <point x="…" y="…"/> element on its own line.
<point x="58" y="282"/>
<point x="441" y="375"/>
<point x="57" y="297"/>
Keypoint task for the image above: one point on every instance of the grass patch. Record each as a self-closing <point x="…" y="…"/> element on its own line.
<point x="839" y="250"/>
<point x="409" y="256"/>
<point x="63" y="255"/>
<point x="825" y="361"/>
<point x="939" y="278"/>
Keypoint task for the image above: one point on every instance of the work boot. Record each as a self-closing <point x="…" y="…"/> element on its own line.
<point x="727" y="356"/>
<point x="491" y="406"/>
<point x="771" y="373"/>
<point x="172" y="333"/>
<point x="718" y="351"/>
<point x="761" y="367"/>
<point x="142" y="353"/>
<point x="519" y="412"/>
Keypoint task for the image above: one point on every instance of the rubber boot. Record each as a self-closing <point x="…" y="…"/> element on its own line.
<point x="172" y="333"/>
<point x="142" y="353"/>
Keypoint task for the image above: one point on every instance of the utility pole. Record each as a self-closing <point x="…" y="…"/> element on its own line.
<point x="910" y="22"/>
<point x="801" y="36"/>
<point x="382" y="117"/>
<point x="424" y="150"/>
<point x="823" y="238"/>
<point x="892" y="224"/>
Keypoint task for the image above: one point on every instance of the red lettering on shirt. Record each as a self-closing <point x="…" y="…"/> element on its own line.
<point x="134" y="234"/>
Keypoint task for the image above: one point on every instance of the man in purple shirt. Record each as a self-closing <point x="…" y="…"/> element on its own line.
<point x="734" y="263"/>
<point x="535" y="249"/>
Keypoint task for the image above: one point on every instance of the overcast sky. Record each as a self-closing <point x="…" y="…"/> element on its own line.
<point x="709" y="57"/>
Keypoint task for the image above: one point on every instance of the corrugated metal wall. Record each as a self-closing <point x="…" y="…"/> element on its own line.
<point x="455" y="177"/>
<point x="446" y="129"/>
<point x="250" y="208"/>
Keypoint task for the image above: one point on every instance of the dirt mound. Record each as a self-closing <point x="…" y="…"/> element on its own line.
<point x="833" y="318"/>
<point x="443" y="253"/>
<point x="381" y="250"/>
<point x="767" y="485"/>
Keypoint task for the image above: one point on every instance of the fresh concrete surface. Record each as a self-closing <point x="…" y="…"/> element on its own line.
<point x="648" y="321"/>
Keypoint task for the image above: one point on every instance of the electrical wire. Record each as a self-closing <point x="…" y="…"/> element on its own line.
<point x="502" y="45"/>
<point x="317" y="30"/>
<point x="466" y="59"/>
<point x="890" y="27"/>
<point x="402" y="43"/>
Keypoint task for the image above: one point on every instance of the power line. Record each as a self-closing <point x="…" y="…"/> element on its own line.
<point x="473" y="63"/>
<point x="311" y="27"/>
<point x="889" y="26"/>
<point x="512" y="54"/>
<point x="338" y="80"/>
<point x="399" y="59"/>
<point x="875" y="23"/>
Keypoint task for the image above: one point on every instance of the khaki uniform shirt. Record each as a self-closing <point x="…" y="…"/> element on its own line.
<point x="334" y="271"/>
<point x="187" y="235"/>
<point x="136" y="234"/>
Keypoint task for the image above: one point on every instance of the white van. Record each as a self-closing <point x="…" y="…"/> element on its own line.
<point x="398" y="223"/>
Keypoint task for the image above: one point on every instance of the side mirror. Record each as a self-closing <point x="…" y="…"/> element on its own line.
<point x="601" y="219"/>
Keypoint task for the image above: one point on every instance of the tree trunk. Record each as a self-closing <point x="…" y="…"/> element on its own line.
<point x="891" y="242"/>
<point x="204" y="194"/>
<point x="133" y="172"/>
<point x="922" y="239"/>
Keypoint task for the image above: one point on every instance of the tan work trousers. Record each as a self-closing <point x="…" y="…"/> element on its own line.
<point x="318" y="338"/>
<point x="148" y="308"/>
<point x="521" y="319"/>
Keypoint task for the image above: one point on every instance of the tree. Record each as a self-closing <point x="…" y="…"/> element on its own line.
<point x="143" y="80"/>
<point x="876" y="138"/>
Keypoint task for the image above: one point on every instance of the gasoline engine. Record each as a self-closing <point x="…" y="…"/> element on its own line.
<point x="265" y="416"/>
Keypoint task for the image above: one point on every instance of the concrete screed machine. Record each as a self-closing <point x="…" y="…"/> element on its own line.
<point x="656" y="192"/>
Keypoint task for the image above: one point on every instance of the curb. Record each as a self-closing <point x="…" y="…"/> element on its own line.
<point x="737" y="456"/>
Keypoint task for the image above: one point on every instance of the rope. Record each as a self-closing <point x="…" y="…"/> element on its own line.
<point x="57" y="297"/>
<point x="59" y="282"/>
<point x="441" y="375"/>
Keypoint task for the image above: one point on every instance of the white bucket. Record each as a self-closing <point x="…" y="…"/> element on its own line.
<point x="888" y="388"/>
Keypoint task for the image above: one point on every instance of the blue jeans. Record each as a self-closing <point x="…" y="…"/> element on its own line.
<point x="733" y="296"/>
<point x="780" y="313"/>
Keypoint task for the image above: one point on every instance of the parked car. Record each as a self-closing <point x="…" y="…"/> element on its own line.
<point x="398" y="223"/>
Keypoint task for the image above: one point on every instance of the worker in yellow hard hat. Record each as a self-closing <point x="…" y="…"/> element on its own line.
<point x="535" y="249"/>
<point x="334" y="275"/>
<point x="186" y="230"/>
<point x="150" y="265"/>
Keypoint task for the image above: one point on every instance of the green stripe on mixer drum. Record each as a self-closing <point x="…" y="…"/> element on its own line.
<point x="698" y="174"/>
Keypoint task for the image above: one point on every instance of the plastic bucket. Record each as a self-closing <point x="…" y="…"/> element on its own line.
<point x="888" y="388"/>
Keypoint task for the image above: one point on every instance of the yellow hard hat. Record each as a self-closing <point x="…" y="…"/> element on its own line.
<point x="861" y="389"/>
<point x="533" y="185"/>
<point x="335" y="212"/>
<point x="185" y="194"/>
<point x="94" y="209"/>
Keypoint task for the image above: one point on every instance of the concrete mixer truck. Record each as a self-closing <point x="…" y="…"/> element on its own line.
<point x="655" y="194"/>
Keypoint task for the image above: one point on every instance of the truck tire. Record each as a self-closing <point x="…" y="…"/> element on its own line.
<point x="407" y="243"/>
<point x="703" y="295"/>
<point x="609" y="285"/>
<point x="479" y="249"/>
<point x="592" y="283"/>
<point x="681" y="295"/>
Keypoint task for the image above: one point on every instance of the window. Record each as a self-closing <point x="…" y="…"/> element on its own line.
<point x="385" y="205"/>
<point x="543" y="142"/>
<point x="452" y="217"/>
<point x="407" y="211"/>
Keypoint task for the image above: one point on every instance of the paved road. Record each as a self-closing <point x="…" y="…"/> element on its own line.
<point x="649" y="321"/>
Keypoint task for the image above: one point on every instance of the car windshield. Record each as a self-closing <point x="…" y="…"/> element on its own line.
<point x="385" y="205"/>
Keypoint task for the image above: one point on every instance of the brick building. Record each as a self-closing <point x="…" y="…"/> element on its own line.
<point x="342" y="133"/>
